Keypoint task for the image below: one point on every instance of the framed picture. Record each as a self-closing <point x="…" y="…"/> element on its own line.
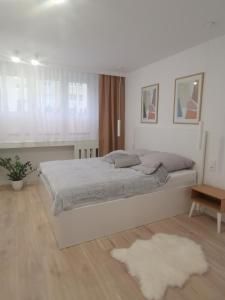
<point x="149" y="103"/>
<point x="188" y="99"/>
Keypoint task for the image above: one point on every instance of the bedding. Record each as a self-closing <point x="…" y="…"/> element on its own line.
<point x="147" y="169"/>
<point x="75" y="183"/>
<point x="171" y="161"/>
<point x="181" y="178"/>
<point x="126" y="161"/>
<point x="110" y="157"/>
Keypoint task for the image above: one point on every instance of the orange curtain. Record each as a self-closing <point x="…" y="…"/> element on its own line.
<point x="111" y="109"/>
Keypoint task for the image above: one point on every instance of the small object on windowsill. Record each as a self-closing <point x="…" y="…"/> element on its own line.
<point x="210" y="197"/>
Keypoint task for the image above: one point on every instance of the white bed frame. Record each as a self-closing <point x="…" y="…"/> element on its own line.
<point x="89" y="222"/>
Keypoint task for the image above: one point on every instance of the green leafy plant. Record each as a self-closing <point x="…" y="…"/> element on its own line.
<point x="17" y="170"/>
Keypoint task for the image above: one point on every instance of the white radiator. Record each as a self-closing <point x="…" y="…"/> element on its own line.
<point x="86" y="149"/>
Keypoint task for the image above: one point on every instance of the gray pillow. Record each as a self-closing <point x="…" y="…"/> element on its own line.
<point x="171" y="161"/>
<point x="127" y="161"/>
<point x="147" y="169"/>
<point x="110" y="157"/>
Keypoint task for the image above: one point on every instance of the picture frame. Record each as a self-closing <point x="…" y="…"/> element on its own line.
<point x="150" y="103"/>
<point x="188" y="92"/>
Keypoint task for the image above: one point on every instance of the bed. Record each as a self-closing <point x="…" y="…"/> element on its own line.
<point x="86" y="220"/>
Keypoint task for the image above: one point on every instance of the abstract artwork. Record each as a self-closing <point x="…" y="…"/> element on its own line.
<point x="188" y="99"/>
<point x="149" y="103"/>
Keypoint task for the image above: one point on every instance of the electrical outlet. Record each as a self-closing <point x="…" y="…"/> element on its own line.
<point x="212" y="166"/>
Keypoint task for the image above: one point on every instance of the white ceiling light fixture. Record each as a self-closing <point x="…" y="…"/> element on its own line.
<point x="34" y="62"/>
<point x="58" y="1"/>
<point x="15" y="59"/>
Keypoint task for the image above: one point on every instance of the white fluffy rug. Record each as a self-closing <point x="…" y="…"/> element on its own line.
<point x="161" y="262"/>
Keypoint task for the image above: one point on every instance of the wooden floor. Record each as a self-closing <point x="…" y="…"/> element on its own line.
<point x="32" y="268"/>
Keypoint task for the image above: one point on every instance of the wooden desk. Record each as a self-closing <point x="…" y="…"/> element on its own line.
<point x="211" y="197"/>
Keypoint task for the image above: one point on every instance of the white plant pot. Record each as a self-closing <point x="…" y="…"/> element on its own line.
<point x="17" y="185"/>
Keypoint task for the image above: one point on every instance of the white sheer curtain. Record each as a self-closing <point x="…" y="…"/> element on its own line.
<point x="47" y="104"/>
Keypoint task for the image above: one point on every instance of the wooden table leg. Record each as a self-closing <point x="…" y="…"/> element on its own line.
<point x="198" y="208"/>
<point x="192" y="208"/>
<point x="219" y="217"/>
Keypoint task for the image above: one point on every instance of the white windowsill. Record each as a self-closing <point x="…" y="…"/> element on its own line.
<point x="36" y="144"/>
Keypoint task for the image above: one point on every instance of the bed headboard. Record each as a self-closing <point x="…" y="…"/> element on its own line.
<point x="187" y="141"/>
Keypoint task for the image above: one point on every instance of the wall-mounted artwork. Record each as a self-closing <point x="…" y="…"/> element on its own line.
<point x="149" y="103"/>
<point x="188" y="99"/>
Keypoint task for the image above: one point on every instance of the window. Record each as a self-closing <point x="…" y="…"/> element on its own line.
<point x="17" y="94"/>
<point x="1" y="93"/>
<point x="49" y="95"/>
<point x="77" y="96"/>
<point x="47" y="104"/>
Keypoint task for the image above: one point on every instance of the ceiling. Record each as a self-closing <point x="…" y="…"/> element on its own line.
<point x="108" y="36"/>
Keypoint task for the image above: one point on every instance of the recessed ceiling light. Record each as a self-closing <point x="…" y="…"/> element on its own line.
<point x="195" y="82"/>
<point x="58" y="1"/>
<point x="34" y="62"/>
<point x="15" y="59"/>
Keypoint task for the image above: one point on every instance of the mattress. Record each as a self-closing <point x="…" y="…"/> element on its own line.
<point x="76" y="183"/>
<point x="181" y="179"/>
<point x="81" y="182"/>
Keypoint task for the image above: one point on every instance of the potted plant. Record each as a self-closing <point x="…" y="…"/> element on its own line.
<point x="17" y="171"/>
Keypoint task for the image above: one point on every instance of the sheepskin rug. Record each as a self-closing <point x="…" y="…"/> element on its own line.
<point x="161" y="262"/>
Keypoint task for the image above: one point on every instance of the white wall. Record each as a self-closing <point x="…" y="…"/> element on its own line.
<point x="36" y="155"/>
<point x="209" y="58"/>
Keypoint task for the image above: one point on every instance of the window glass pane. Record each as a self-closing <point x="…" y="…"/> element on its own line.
<point x="49" y="95"/>
<point x="1" y="96"/>
<point x="17" y="94"/>
<point x="77" y="96"/>
<point x="47" y="104"/>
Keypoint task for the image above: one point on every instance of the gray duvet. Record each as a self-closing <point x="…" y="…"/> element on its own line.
<point x="75" y="183"/>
